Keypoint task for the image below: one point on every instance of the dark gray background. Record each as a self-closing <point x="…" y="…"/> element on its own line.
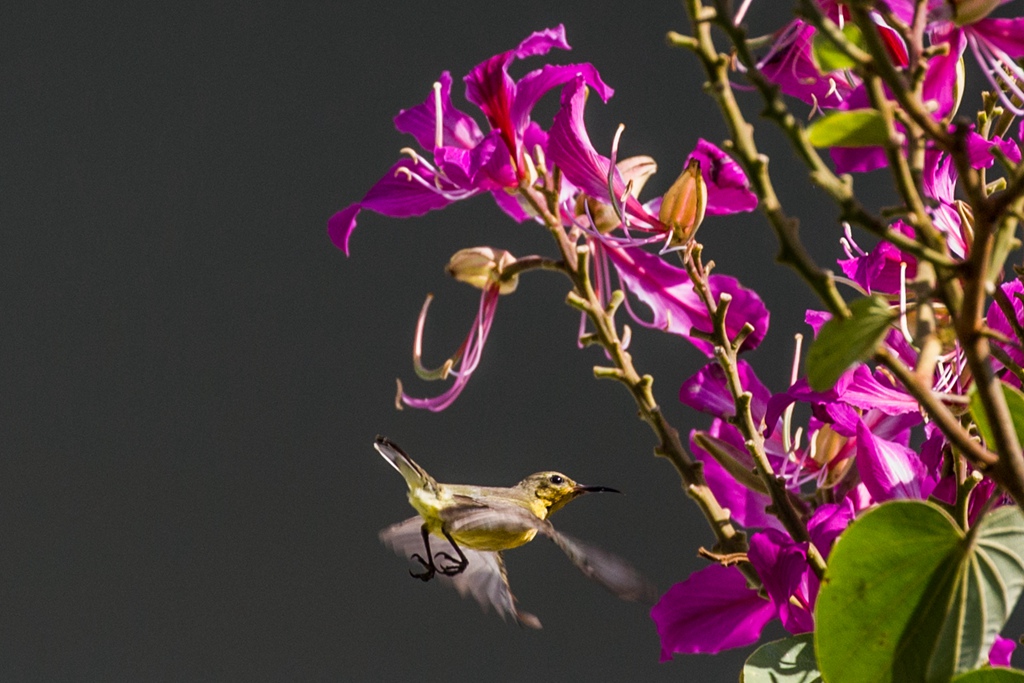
<point x="192" y="375"/>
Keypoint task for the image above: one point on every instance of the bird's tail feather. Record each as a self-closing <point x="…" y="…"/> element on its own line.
<point x="414" y="475"/>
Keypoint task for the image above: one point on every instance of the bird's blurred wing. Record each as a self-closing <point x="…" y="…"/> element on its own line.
<point x="484" y="578"/>
<point x="608" y="569"/>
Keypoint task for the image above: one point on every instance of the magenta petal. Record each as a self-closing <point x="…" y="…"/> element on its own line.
<point x="858" y="159"/>
<point x="728" y="189"/>
<point x="889" y="470"/>
<point x="509" y="203"/>
<point x="879" y="270"/>
<point x="782" y="566"/>
<point x="941" y="80"/>
<point x="997" y="320"/>
<point x="711" y="611"/>
<point x="708" y="392"/>
<point x="866" y="391"/>
<point x="541" y="42"/>
<point x="535" y="84"/>
<point x="827" y="522"/>
<point x="792" y="68"/>
<point x="396" y="195"/>
<point x="490" y="87"/>
<point x="570" y="149"/>
<point x="341" y="225"/>
<point x="1001" y="651"/>
<point x="1006" y="34"/>
<point x="979" y="150"/>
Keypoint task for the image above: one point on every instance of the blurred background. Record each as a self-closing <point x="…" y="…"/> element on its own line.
<point x="192" y="375"/>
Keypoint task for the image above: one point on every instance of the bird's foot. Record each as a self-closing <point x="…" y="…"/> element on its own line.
<point x="457" y="567"/>
<point x="429" y="569"/>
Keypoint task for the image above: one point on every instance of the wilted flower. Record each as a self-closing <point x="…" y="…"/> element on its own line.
<point x="483" y="268"/>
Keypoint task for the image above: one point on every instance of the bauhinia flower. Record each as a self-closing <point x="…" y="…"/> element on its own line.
<point x="723" y="187"/>
<point x="995" y="43"/>
<point x="714" y="609"/>
<point x="461" y="161"/>
<point x="790" y="62"/>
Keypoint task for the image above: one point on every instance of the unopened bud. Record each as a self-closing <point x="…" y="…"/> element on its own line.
<point x="969" y="11"/>
<point x="602" y="216"/>
<point x="827" y="445"/>
<point x="682" y="207"/>
<point x="483" y="267"/>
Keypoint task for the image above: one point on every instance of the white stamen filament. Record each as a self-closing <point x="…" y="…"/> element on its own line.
<point x="995" y="63"/>
<point x="787" y="414"/>
<point x="903" y="303"/>
<point x="438" y="129"/>
<point x="741" y="13"/>
<point x="847" y="249"/>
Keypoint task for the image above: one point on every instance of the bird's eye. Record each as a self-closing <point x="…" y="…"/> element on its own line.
<point x="556" y="480"/>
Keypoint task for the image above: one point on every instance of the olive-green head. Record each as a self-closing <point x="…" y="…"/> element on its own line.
<point x="553" y="489"/>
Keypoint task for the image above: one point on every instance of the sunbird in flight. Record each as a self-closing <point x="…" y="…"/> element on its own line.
<point x="462" y="530"/>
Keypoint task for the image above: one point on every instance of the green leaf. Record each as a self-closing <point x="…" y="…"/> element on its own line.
<point x="1014" y="402"/>
<point x="828" y="57"/>
<point x="850" y="128"/>
<point x="790" y="660"/>
<point x="991" y="676"/>
<point x="908" y="597"/>
<point x="841" y="343"/>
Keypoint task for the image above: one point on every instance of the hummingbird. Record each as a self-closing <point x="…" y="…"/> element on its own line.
<point x="461" y="532"/>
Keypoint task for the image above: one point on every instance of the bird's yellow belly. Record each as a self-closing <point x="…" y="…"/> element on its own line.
<point x="492" y="540"/>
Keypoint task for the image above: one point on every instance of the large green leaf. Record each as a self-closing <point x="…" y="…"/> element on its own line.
<point x="849" y="128"/>
<point x="790" y="660"/>
<point x="1014" y="401"/>
<point x="843" y="342"/>
<point x="908" y="597"/>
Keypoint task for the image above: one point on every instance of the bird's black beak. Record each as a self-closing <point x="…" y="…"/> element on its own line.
<point x="579" y="488"/>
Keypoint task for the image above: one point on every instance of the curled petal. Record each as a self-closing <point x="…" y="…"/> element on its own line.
<point x="728" y="188"/>
<point x="570" y="149"/>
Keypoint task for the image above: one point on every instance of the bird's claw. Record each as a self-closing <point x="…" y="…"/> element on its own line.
<point x="457" y="567"/>
<point x="429" y="568"/>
